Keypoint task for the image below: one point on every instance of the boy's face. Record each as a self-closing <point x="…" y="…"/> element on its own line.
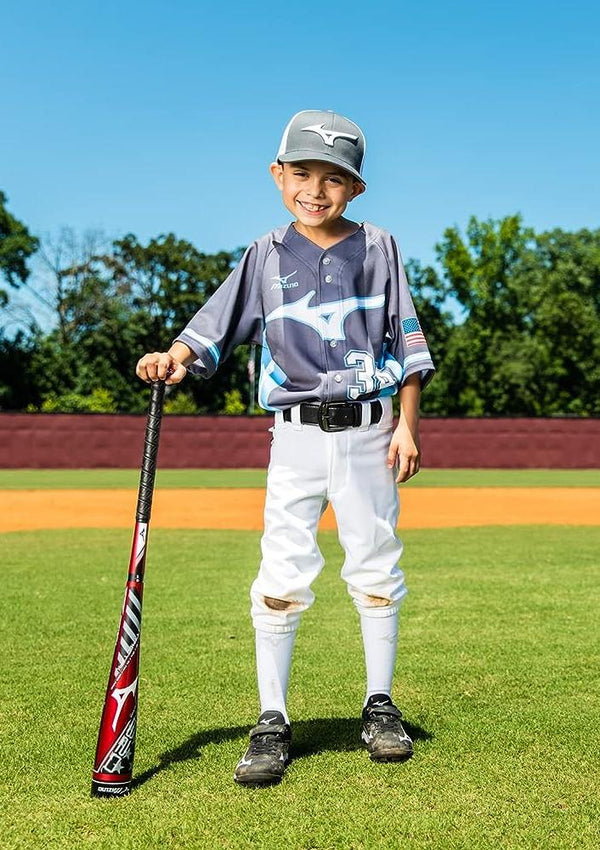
<point x="316" y="193"/>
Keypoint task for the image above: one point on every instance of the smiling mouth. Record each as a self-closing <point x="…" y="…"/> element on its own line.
<point x="312" y="208"/>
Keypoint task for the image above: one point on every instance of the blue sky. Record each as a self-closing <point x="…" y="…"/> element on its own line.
<point x="155" y="117"/>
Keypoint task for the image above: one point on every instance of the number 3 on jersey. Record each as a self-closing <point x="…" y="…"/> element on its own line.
<point x="368" y="378"/>
<point x="364" y="366"/>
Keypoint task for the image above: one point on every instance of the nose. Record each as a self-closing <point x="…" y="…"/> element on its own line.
<point x="315" y="189"/>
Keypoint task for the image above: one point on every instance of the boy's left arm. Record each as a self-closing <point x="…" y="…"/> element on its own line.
<point x="405" y="448"/>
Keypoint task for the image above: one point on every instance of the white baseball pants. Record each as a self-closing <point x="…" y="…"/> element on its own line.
<point x="309" y="468"/>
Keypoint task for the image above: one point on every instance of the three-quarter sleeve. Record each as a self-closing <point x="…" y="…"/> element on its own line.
<point x="232" y="315"/>
<point x="408" y="344"/>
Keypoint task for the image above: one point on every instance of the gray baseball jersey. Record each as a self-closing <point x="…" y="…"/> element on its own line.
<point x="335" y="325"/>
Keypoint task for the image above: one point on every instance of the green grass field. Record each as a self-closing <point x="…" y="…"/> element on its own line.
<point x="497" y="676"/>
<point x="45" y="479"/>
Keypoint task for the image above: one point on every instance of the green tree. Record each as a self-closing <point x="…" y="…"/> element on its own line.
<point x="16" y="246"/>
<point x="168" y="278"/>
<point x="98" y="401"/>
<point x="530" y="342"/>
<point x="18" y="385"/>
<point x="109" y="303"/>
<point x="166" y="281"/>
<point x="92" y="346"/>
<point x="562" y="273"/>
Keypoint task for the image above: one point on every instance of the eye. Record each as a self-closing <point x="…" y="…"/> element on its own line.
<point x="299" y="173"/>
<point x="335" y="180"/>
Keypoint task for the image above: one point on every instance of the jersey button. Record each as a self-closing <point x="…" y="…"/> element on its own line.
<point x="326" y="261"/>
<point x="328" y="278"/>
<point x="333" y="344"/>
<point x="337" y="378"/>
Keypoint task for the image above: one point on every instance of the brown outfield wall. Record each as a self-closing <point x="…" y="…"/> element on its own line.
<point x="75" y="441"/>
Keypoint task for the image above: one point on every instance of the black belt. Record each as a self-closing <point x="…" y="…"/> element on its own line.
<point x="335" y="415"/>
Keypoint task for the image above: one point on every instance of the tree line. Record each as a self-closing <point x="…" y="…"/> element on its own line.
<point x="512" y="318"/>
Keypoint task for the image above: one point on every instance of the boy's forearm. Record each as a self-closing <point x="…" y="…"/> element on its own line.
<point x="182" y="353"/>
<point x="410" y="400"/>
<point x="404" y="447"/>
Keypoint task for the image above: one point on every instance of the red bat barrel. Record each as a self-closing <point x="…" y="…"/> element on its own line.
<point x="113" y="767"/>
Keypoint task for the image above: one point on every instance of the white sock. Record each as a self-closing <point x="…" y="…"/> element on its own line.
<point x="273" y="662"/>
<point x="380" y="640"/>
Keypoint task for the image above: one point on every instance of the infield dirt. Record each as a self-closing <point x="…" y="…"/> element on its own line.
<point x="243" y="508"/>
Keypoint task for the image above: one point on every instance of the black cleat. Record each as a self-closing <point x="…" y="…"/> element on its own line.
<point x="266" y="758"/>
<point x="382" y="732"/>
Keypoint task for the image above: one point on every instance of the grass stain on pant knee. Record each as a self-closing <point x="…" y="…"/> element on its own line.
<point x="280" y="604"/>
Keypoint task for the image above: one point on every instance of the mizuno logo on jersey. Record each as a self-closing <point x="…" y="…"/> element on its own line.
<point x="282" y="282"/>
<point x="326" y="319"/>
<point x="329" y="136"/>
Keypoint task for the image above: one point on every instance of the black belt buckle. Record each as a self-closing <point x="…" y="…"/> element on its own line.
<point x="328" y="410"/>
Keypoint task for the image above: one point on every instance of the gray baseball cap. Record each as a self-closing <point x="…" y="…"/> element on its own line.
<point x="324" y="136"/>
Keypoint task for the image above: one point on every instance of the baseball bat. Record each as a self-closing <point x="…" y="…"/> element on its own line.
<point x="113" y="766"/>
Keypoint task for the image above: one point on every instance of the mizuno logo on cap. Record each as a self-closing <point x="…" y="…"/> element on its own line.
<point x="329" y="136"/>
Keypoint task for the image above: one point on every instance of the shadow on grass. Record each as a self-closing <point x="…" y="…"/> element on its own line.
<point x="336" y="734"/>
<point x="310" y="737"/>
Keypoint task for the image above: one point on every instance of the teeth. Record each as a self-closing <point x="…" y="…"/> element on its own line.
<point x="312" y="207"/>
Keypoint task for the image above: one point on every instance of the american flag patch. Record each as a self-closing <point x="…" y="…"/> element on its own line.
<point x="412" y="332"/>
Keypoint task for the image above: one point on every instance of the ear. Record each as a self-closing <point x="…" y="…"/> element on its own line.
<point x="276" y="170"/>
<point x="357" y="189"/>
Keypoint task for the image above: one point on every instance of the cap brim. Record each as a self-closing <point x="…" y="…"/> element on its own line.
<point x="306" y="155"/>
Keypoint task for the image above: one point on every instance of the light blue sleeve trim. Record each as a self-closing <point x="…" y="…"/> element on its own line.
<point x="427" y="369"/>
<point x="271" y="377"/>
<point x="422" y="357"/>
<point x="207" y="343"/>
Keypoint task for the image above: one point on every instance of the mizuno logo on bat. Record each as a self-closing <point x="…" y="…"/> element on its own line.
<point x="329" y="136"/>
<point x="120" y="696"/>
<point x="326" y="319"/>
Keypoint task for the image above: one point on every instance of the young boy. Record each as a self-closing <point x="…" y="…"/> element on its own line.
<point x="328" y="300"/>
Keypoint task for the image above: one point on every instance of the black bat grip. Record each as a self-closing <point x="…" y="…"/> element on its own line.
<point x="153" y="422"/>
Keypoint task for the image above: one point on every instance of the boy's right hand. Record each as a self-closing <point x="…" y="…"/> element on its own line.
<point x="160" y="366"/>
